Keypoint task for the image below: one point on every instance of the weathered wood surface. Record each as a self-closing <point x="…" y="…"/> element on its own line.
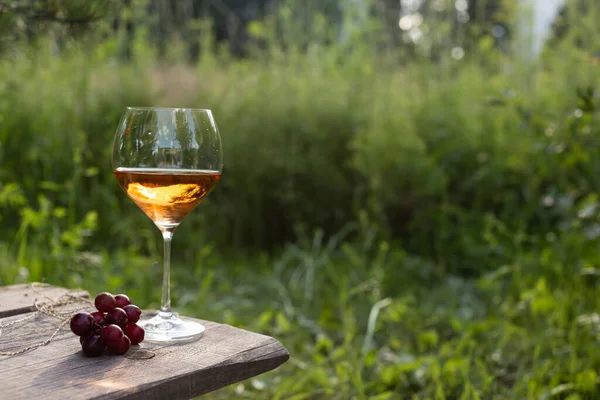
<point x="18" y="299"/>
<point x="224" y="355"/>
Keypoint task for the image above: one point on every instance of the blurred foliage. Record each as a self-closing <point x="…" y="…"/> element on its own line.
<point x="426" y="26"/>
<point x="574" y="25"/>
<point x="410" y="224"/>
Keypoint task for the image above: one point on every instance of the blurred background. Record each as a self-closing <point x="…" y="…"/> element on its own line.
<point x="411" y="189"/>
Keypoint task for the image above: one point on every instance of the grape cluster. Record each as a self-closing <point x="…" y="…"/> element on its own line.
<point x="113" y="326"/>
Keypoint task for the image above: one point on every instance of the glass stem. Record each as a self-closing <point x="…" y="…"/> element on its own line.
<point x="165" y="302"/>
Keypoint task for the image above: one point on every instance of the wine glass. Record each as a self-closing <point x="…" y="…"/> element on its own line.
<point x="167" y="160"/>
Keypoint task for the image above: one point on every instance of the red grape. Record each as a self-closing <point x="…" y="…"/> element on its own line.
<point x="133" y="313"/>
<point x="135" y="333"/>
<point x="122" y="346"/>
<point x="111" y="335"/>
<point x="81" y="324"/>
<point x="99" y="318"/>
<point x="92" y="346"/>
<point x="105" y="302"/>
<point x="117" y="317"/>
<point x="122" y="300"/>
<point x="113" y="326"/>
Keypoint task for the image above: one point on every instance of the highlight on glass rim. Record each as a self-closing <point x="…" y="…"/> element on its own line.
<point x="284" y="199"/>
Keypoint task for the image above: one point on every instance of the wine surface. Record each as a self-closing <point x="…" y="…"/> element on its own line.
<point x="166" y="195"/>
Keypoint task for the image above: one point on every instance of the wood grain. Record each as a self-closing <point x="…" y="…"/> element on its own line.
<point x="224" y="355"/>
<point x="18" y="299"/>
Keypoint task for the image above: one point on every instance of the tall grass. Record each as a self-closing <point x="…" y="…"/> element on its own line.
<point x="308" y="145"/>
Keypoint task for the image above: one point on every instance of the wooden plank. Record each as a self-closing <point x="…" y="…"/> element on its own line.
<point x="18" y="299"/>
<point x="223" y="356"/>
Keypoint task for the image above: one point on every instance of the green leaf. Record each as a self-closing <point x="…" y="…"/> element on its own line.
<point x="587" y="380"/>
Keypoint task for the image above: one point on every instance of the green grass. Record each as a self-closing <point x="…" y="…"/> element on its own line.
<point x="428" y="231"/>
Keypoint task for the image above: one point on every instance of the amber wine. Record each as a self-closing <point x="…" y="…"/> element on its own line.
<point x="166" y="195"/>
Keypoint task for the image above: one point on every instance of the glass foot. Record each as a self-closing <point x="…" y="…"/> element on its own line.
<point x="168" y="327"/>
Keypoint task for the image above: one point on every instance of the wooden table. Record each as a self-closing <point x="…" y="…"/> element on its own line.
<point x="224" y="355"/>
